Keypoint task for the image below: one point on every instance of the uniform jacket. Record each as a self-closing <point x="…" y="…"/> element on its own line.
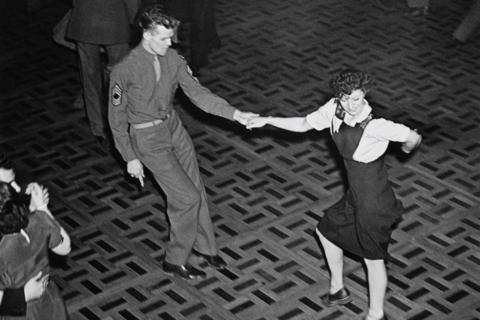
<point x="136" y="96"/>
<point x="102" y="21"/>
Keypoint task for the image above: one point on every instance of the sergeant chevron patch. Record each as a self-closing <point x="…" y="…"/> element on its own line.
<point x="116" y="95"/>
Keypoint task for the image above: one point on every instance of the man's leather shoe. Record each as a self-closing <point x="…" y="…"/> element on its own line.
<point x="215" y="261"/>
<point x="342" y="296"/>
<point x="186" y="271"/>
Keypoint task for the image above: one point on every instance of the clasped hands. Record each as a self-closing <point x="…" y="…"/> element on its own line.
<point x="249" y="119"/>
<point x="39" y="197"/>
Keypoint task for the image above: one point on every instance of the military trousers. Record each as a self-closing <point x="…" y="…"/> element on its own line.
<point x="167" y="151"/>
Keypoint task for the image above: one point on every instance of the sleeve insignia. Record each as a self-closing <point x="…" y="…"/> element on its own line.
<point x="116" y="95"/>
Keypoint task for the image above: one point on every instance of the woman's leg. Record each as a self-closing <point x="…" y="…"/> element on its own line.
<point x="334" y="257"/>
<point x="377" y="286"/>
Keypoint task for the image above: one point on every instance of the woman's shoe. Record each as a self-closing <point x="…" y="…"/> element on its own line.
<point x="340" y="297"/>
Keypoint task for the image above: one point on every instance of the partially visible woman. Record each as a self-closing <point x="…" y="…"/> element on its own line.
<point x="14" y="300"/>
<point x="26" y="235"/>
<point x="362" y="221"/>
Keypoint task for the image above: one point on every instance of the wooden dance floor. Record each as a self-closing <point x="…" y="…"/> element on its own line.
<point x="266" y="187"/>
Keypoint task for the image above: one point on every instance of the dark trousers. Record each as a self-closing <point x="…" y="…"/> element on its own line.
<point x="93" y="77"/>
<point x="167" y="151"/>
<point x="203" y="32"/>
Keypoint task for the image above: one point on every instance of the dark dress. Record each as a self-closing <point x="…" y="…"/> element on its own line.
<point x="21" y="260"/>
<point x="361" y="221"/>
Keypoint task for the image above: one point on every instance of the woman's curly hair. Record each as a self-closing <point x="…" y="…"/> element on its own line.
<point x="13" y="211"/>
<point x="349" y="80"/>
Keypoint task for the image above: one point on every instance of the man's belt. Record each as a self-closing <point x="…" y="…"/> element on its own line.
<point x="151" y="123"/>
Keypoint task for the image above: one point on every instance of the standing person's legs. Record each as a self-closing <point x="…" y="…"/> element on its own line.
<point x="377" y="286"/>
<point x="199" y="38"/>
<point x="155" y="151"/>
<point x="334" y="257"/>
<point x="211" y="28"/>
<point x="183" y="201"/>
<point x="185" y="151"/>
<point x="115" y="52"/>
<point x="91" y="74"/>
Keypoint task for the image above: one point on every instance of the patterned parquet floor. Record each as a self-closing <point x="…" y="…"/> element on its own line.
<point x="266" y="187"/>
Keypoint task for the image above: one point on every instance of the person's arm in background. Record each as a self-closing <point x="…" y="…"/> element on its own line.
<point x="38" y="202"/>
<point x="64" y="247"/>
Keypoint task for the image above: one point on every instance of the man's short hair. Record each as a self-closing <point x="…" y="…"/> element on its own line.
<point x="154" y="15"/>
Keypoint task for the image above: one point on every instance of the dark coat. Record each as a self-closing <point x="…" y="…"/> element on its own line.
<point x="102" y="21"/>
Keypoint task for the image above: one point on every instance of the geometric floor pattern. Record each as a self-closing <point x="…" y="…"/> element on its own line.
<point x="266" y="187"/>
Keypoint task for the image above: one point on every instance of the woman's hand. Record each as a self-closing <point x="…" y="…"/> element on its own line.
<point x="414" y="139"/>
<point x="257" y="122"/>
<point x="35" y="287"/>
<point x="243" y="117"/>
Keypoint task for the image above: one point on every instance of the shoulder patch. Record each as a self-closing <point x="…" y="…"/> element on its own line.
<point x="116" y="95"/>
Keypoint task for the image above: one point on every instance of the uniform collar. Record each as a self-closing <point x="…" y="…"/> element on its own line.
<point x="141" y="50"/>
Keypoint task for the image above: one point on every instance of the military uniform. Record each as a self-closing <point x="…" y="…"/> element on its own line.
<point x="146" y="127"/>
